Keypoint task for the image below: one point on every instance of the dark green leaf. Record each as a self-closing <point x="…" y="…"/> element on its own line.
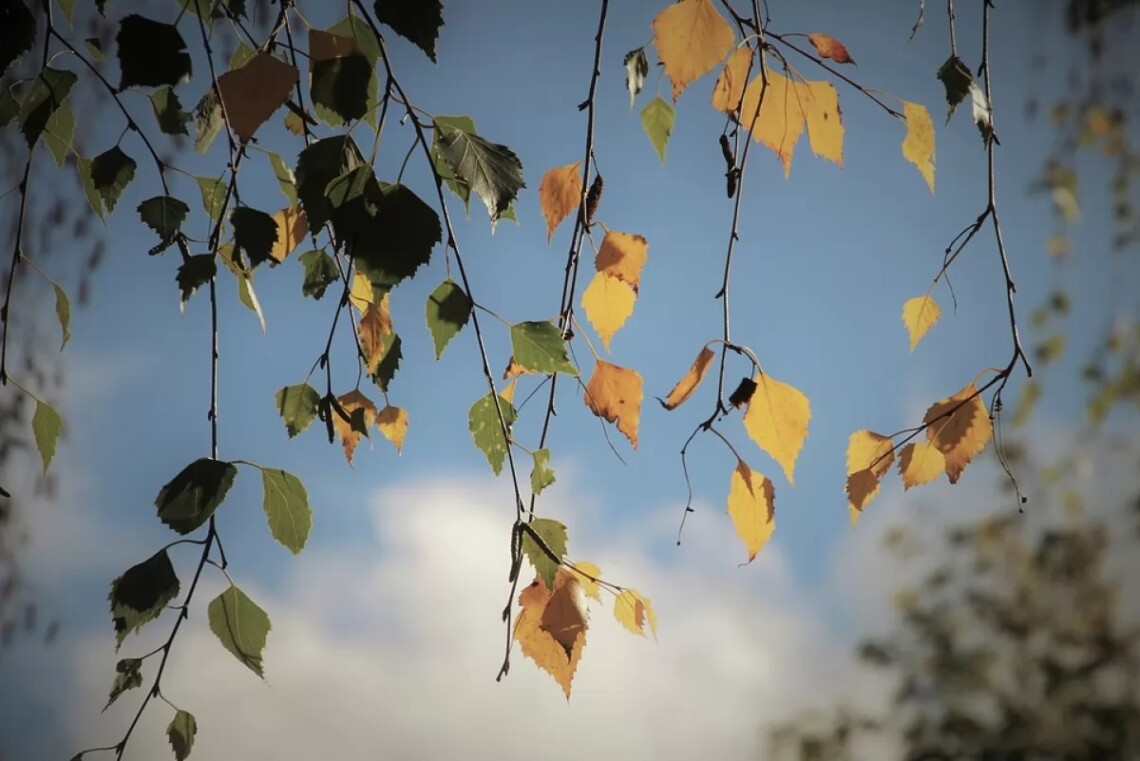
<point x="241" y="626"/>
<point x="339" y="88"/>
<point x="165" y="216"/>
<point x="213" y="195"/>
<point x="368" y="46"/>
<point x="83" y="169"/>
<point x="297" y="406"/>
<point x="46" y="95"/>
<point x="58" y="132"/>
<point x="208" y="120"/>
<point x="284" y="177"/>
<point x="538" y="347"/>
<point x="493" y="171"/>
<point x="140" y="594"/>
<point x="956" y="78"/>
<point x="657" y="119"/>
<point x="402" y="238"/>
<point x="127" y="676"/>
<point x="46" y="427"/>
<point x="180" y="733"/>
<point x="151" y="54"/>
<point x="317" y="166"/>
<point x="194" y="273"/>
<point x="483" y="422"/>
<point x="95" y="47"/>
<point x="553" y="534"/>
<point x="286" y="506"/>
<point x="63" y="312"/>
<point x="448" y="309"/>
<point x="168" y="112"/>
<point x="17" y="32"/>
<point x="255" y="232"/>
<point x="354" y="200"/>
<point x="320" y="273"/>
<point x="457" y="186"/>
<point x="417" y="21"/>
<point x="111" y="172"/>
<point x="541" y="475"/>
<point x="192" y="496"/>
<point x="390" y="363"/>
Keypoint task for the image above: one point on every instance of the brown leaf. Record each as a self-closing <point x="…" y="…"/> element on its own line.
<point x="253" y="92"/>
<point x="538" y="643"/>
<point x="829" y="47"/>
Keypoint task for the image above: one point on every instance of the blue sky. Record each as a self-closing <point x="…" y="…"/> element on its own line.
<point x="824" y="263"/>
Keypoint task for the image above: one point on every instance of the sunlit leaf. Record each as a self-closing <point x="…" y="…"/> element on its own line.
<point x="292" y="227"/>
<point x="46" y="95"/>
<point x="920" y="463"/>
<point x="58" y="133"/>
<point x="633" y="610"/>
<point x="752" y="507"/>
<point x="869" y="457"/>
<point x="614" y="394"/>
<point x="361" y="412"/>
<point x="213" y="195"/>
<point x="180" y="734"/>
<point x="168" y="112"/>
<point x="393" y="425"/>
<point x="781" y="120"/>
<point x="538" y="347"/>
<point x="608" y="303"/>
<point x="918" y="146"/>
<point x="374" y="329"/>
<point x="553" y="534"/>
<point x="588" y="575"/>
<point x="777" y="420"/>
<point x="691" y="38"/>
<point x="541" y="476"/>
<point x="540" y="643"/>
<point x="493" y="171"/>
<point x="486" y="430"/>
<point x="824" y="120"/>
<point x="919" y="315"/>
<point x="959" y="427"/>
<point x="829" y="47"/>
<point x="63" y="314"/>
<point x="297" y="406"/>
<point x="657" y="118"/>
<point x="241" y="626"/>
<point x="286" y="505"/>
<point x="690" y="380"/>
<point x="623" y="255"/>
<point x="559" y="193"/>
<point x="729" y="87"/>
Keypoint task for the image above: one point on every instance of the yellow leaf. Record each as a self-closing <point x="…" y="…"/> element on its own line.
<point x="252" y="93"/>
<point x="752" y="507"/>
<point x="559" y="193"/>
<point x="691" y="38"/>
<point x="623" y="255"/>
<point x="781" y="119"/>
<point x="959" y="434"/>
<point x="820" y="103"/>
<point x="361" y="295"/>
<point x="920" y="314"/>
<point x="869" y="457"/>
<point x="551" y="628"/>
<point x="292" y="227"/>
<point x="508" y="391"/>
<point x="350" y="436"/>
<point x="729" y="87"/>
<point x="608" y="303"/>
<point x="393" y="424"/>
<point x="777" y="420"/>
<point x="829" y="47"/>
<point x="920" y="463"/>
<point x="634" y="611"/>
<point x="614" y="394"/>
<point x="587" y="575"/>
<point x="688" y="384"/>
<point x="918" y="147"/>
<point x="375" y="326"/>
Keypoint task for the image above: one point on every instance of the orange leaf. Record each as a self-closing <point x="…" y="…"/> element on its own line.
<point x="920" y="463"/>
<point x="253" y="92"/>
<point x="869" y="457"/>
<point x="829" y="47"/>
<point x="729" y="87"/>
<point x="292" y="227"/>
<point x="781" y="119"/>
<point x="608" y="303"/>
<point x="393" y="423"/>
<point x="350" y="435"/>
<point x="820" y="103"/>
<point x="634" y="610"/>
<point x="919" y="315"/>
<point x="513" y="369"/>
<point x="375" y="326"/>
<point x="918" y="146"/>
<point x="537" y="641"/>
<point x="623" y="255"/>
<point x="752" y="507"/>
<point x="777" y="420"/>
<point x="959" y="435"/>
<point x="691" y="38"/>
<point x="559" y="193"/>
<point x="614" y="394"/>
<point x="688" y="384"/>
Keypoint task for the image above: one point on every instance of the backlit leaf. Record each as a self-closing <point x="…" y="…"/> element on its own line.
<point x="58" y="133"/>
<point x="657" y="119"/>
<point x="918" y="146"/>
<point x="540" y="644"/>
<point x="538" y="347"/>
<point x="63" y="314"/>
<point x="320" y="273"/>
<point x="374" y="329"/>
<point x="448" y="309"/>
<point x="623" y="255"/>
<point x="919" y="315"/>
<point x="297" y="406"/>
<point x="869" y="457"/>
<point x="559" y="193"/>
<point x="608" y="303"/>
<point x="180" y="734"/>
<point x="417" y="21"/>
<point x="959" y="427"/>
<point x="752" y="507"/>
<point x="541" y="476"/>
<point x="140" y="594"/>
<point x="920" y="463"/>
<point x="636" y="70"/>
<point x="284" y="177"/>
<point x="690" y="381"/>
<point x="46" y="95"/>
<point x="361" y="414"/>
<point x="213" y="195"/>
<point x="286" y="505"/>
<point x="634" y="611"/>
<point x="252" y="93"/>
<point x="729" y="87"/>
<point x="493" y="171"/>
<point x="111" y="172"/>
<point x="393" y="425"/>
<point x="691" y="38"/>
<point x="241" y="626"/>
<point x="483" y="422"/>
<point x="208" y="120"/>
<point x="587" y="575"/>
<point x="151" y="54"/>
<point x="553" y="534"/>
<point x="127" y="676"/>
<point x="189" y="499"/>
<point x="83" y="169"/>
<point x="777" y="420"/>
<point x="390" y="362"/>
<point x="829" y="47"/>
<point x="292" y="227"/>
<point x="781" y="119"/>
<point x="168" y="112"/>
<point x="614" y="394"/>
<point x="820" y="103"/>
<point x="46" y="428"/>
<point x="165" y="216"/>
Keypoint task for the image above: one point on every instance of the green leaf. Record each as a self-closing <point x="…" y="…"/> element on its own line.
<point x="284" y="177"/>
<point x="368" y="46"/>
<point x="127" y="676"/>
<point x="255" y="232"/>
<point x="657" y="119"/>
<point x="636" y="70"/>
<point x="354" y="199"/>
<point x="339" y="88"/>
<point x="541" y="475"/>
<point x="458" y="187"/>
<point x="956" y="78"/>
<point x="538" y="347"/>
<point x="17" y="33"/>
<point x="297" y="406"/>
<point x="213" y="195"/>
<point x="180" y="733"/>
<point x="192" y="496"/>
<point x="95" y="47"/>
<point x="390" y="363"/>
<point x="46" y="95"/>
<point x="493" y="171"/>
<point x="46" y="427"/>
<point x="553" y="534"/>
<point x="87" y="181"/>
<point x="405" y="231"/>
<point x="165" y="216"/>
<point x="448" y="309"/>
<point x="417" y="21"/>
<point x="320" y="273"/>
<point x="58" y="132"/>
<point x="168" y="112"/>
<point x="151" y="54"/>
<point x="195" y="272"/>
<point x="483" y="422"/>
<point x="111" y="172"/>
<point x="63" y="312"/>
<point x="208" y="120"/>
<point x="317" y="166"/>
<point x="248" y="297"/>
<point x="241" y="55"/>
<point x="240" y="626"/>
<point x="141" y="593"/>
<point x="286" y="506"/>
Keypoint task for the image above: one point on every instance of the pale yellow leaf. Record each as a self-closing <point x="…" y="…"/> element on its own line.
<point x="623" y="255"/>
<point x="614" y="394"/>
<point x="918" y="146"/>
<point x="292" y="227"/>
<point x="869" y="457"/>
<point x="508" y="391"/>
<point x="691" y="38"/>
<point x="781" y="119"/>
<point x="920" y="463"/>
<point x="393" y="424"/>
<point x="375" y="326"/>
<point x="820" y="103"/>
<point x="689" y="382"/>
<point x="350" y="437"/>
<point x="729" y="87"/>
<point x="829" y="47"/>
<point x="919" y="315"/>
<point x="634" y="610"/>
<point x="959" y="429"/>
<point x="542" y="637"/>
<point x="361" y="295"/>
<point x="777" y="420"/>
<point x="608" y="303"/>
<point x="752" y="507"/>
<point x="253" y="92"/>
<point x="559" y="193"/>
<point x="588" y="575"/>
